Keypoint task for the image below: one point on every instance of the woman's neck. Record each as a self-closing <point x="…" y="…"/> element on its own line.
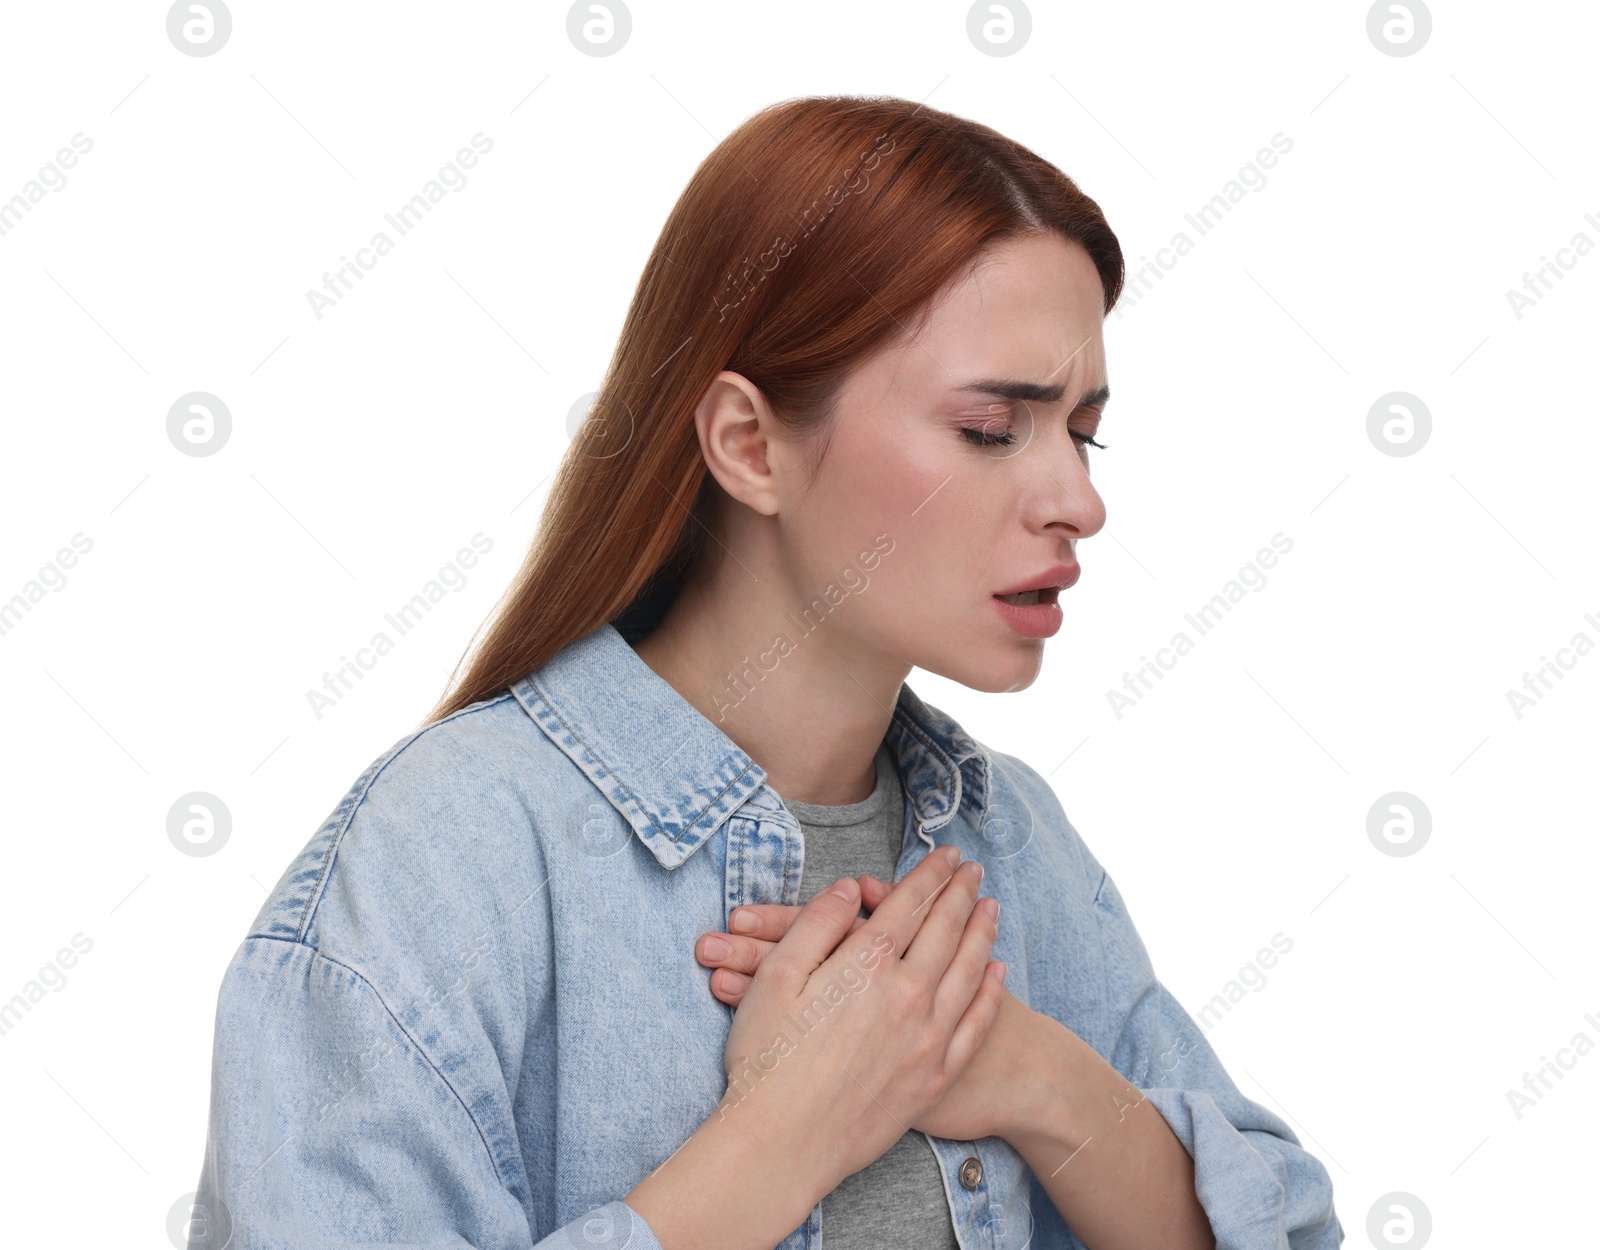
<point x="808" y="700"/>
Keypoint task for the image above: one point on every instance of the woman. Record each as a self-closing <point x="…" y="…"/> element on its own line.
<point x="844" y="434"/>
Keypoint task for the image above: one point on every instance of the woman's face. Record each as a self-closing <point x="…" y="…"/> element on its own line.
<point x="961" y="456"/>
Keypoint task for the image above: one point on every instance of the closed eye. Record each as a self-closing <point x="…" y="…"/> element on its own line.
<point x="984" y="437"/>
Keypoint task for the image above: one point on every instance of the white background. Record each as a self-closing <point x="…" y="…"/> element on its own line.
<point x="431" y="403"/>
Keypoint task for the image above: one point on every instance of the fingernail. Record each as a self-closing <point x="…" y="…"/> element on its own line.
<point x="952" y="855"/>
<point x="717" y="947"/>
<point x="743" y="922"/>
<point x="844" y="887"/>
<point x="992" y="906"/>
<point x="1002" y="973"/>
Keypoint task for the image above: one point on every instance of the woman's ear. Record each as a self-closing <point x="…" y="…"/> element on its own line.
<point x="737" y="433"/>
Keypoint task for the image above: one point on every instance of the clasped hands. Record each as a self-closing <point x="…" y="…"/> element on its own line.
<point x="996" y="1094"/>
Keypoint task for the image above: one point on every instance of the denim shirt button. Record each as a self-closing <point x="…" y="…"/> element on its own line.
<point x="971" y="1173"/>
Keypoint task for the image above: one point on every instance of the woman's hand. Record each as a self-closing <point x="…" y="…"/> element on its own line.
<point x="992" y="1096"/>
<point x="735" y="957"/>
<point x="850" y="1031"/>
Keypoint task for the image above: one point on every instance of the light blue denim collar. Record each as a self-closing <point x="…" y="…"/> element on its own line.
<point x="676" y="777"/>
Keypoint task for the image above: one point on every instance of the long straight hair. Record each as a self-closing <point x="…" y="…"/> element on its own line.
<point x="814" y="234"/>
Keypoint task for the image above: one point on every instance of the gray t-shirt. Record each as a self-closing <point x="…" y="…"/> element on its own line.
<point x="898" y="1199"/>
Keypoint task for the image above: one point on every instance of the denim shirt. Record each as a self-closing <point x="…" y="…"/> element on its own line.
<point x="470" y="1014"/>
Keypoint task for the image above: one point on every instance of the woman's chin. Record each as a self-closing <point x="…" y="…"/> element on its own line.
<point x="1002" y="673"/>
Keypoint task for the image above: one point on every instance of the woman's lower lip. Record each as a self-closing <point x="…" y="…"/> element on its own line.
<point x="1033" y="620"/>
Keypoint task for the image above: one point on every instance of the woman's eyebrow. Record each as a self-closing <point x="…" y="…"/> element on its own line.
<point x="1033" y="392"/>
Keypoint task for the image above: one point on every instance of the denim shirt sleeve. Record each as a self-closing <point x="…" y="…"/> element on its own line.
<point x="345" y="1114"/>
<point x="1260" y="1189"/>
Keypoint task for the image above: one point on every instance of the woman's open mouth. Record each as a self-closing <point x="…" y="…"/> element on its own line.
<point x="1031" y="613"/>
<point x="1036" y="613"/>
<point x="1048" y="595"/>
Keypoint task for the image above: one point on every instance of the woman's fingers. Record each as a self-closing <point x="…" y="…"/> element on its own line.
<point x="744" y="954"/>
<point x="934" y="944"/>
<point x="816" y="933"/>
<point x="873" y="891"/>
<point x="770" y="921"/>
<point x="980" y="1014"/>
<point x="823" y="922"/>
<point x="735" y="956"/>
<point x="916" y="899"/>
<point x="962" y="979"/>
<point x="738" y="954"/>
<point x="766" y="920"/>
<point x="733" y="969"/>
<point x="729" y="986"/>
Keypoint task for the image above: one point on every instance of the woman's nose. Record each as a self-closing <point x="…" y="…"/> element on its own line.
<point x="1072" y="498"/>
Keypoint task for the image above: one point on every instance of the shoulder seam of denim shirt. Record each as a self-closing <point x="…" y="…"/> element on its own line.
<point x="291" y="911"/>
<point x="339" y="821"/>
<point x="943" y="766"/>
